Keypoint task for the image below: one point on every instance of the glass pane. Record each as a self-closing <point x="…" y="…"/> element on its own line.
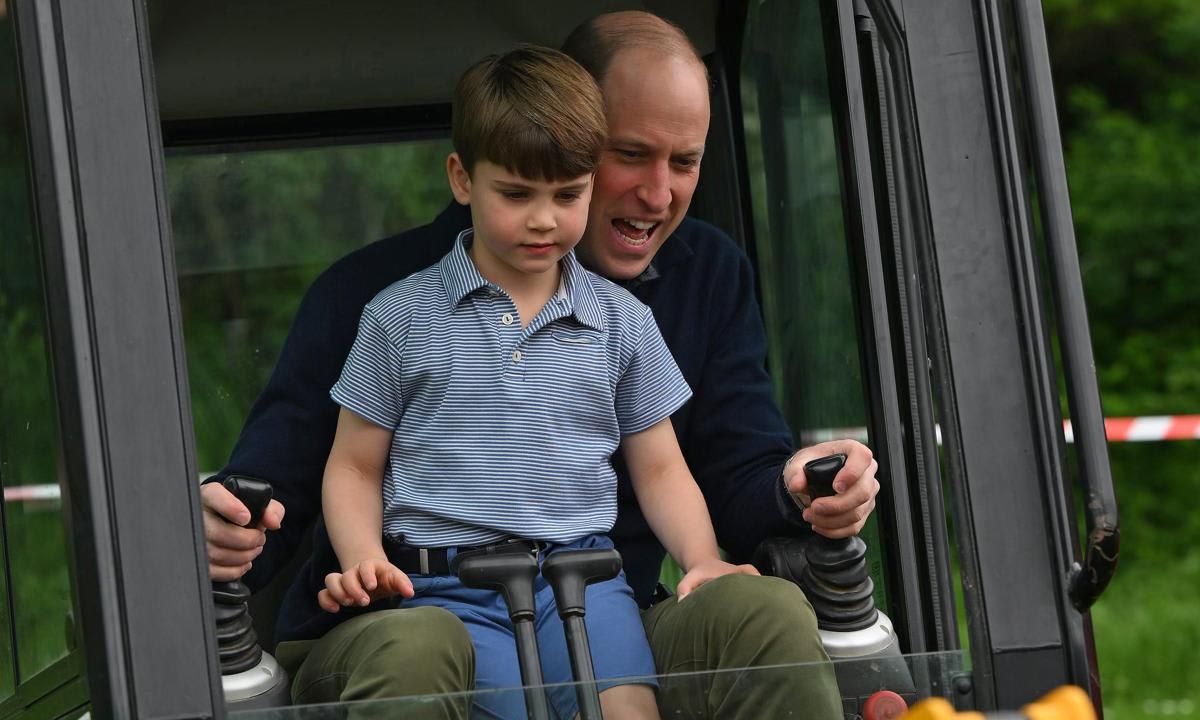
<point x="913" y="677"/>
<point x="34" y="537"/>
<point x="799" y="236"/>
<point x="253" y="229"/>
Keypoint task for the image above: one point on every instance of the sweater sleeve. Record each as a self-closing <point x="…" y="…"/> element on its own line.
<point x="738" y="440"/>
<point x="287" y="436"/>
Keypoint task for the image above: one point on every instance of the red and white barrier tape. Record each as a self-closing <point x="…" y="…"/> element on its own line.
<point x="1147" y="428"/>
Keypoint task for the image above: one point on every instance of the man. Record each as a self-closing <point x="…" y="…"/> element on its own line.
<point x="700" y="288"/>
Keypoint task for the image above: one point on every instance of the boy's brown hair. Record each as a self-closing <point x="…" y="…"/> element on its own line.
<point x="534" y="111"/>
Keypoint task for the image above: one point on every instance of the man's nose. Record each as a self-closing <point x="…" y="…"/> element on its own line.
<point x="655" y="189"/>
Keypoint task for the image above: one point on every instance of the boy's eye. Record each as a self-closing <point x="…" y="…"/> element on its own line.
<point x="568" y="197"/>
<point x="515" y="194"/>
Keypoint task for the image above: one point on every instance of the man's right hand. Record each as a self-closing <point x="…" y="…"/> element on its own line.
<point x="231" y="547"/>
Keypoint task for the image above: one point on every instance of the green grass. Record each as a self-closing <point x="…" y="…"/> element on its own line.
<point x="1148" y="621"/>
<point x="1147" y="635"/>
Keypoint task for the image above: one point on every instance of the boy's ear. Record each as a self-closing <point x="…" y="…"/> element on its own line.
<point x="460" y="179"/>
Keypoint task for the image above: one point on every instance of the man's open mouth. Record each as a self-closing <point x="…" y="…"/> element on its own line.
<point x="635" y="232"/>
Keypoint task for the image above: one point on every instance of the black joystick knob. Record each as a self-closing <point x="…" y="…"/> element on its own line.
<point x="836" y="578"/>
<point x="237" y="643"/>
<point x="820" y="474"/>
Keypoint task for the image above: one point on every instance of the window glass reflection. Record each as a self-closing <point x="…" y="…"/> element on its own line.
<point x="799" y="236"/>
<point x="912" y="677"/>
<point x="253" y="229"/>
<point x="34" y="543"/>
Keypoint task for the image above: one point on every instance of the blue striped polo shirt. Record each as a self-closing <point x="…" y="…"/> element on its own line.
<point x="499" y="430"/>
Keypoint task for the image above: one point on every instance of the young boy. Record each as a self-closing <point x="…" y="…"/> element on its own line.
<point x="484" y="397"/>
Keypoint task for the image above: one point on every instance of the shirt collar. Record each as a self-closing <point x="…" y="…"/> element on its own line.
<point x="461" y="278"/>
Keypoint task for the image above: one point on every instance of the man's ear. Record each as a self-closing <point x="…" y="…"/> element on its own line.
<point x="460" y="179"/>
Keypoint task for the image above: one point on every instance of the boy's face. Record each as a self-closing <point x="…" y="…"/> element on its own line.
<point x="523" y="227"/>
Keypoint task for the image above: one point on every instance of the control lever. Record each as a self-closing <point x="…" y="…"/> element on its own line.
<point x="836" y="580"/>
<point x="569" y="572"/>
<point x="250" y="677"/>
<point x="512" y="574"/>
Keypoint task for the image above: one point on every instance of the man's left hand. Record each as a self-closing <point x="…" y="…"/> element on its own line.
<point x="845" y="513"/>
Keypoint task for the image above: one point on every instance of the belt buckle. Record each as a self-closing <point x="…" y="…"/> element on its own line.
<point x="534" y="547"/>
<point x="423" y="560"/>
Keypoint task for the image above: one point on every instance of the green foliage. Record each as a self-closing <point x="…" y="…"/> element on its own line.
<point x="1134" y="186"/>
<point x="253" y="230"/>
<point x="1128" y="81"/>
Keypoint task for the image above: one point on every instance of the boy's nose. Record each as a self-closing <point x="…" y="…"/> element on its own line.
<point x="542" y="219"/>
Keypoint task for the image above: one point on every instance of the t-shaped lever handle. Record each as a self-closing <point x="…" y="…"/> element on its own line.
<point x="569" y="572"/>
<point x="512" y="574"/>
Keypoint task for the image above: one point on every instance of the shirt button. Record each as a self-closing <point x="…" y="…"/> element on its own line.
<point x="506" y="318"/>
<point x="517" y="356"/>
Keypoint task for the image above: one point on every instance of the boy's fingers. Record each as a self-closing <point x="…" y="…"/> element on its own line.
<point x="352" y="587"/>
<point x="366" y="573"/>
<point x="684" y="588"/>
<point x="326" y="601"/>
<point x="399" y="583"/>
<point x="333" y="586"/>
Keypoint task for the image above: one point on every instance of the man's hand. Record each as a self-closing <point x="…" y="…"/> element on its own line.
<point x="845" y="513"/>
<point x="360" y="584"/>
<point x="709" y="570"/>
<point x="231" y="547"/>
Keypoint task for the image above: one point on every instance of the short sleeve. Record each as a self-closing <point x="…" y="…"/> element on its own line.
<point x="650" y="387"/>
<point x="370" y="382"/>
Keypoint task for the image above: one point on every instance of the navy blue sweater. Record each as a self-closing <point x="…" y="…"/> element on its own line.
<point x="731" y="432"/>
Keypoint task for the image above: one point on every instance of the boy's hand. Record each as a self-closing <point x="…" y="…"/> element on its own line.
<point x="709" y="570"/>
<point x="231" y="547"/>
<point x="359" y="585"/>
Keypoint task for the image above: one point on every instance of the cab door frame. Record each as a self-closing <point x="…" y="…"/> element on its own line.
<point x="118" y="359"/>
<point x="972" y="250"/>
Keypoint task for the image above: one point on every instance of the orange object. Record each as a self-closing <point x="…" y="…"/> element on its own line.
<point x="1066" y="703"/>
<point x="936" y="708"/>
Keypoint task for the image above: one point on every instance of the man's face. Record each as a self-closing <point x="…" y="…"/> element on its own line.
<point x="657" y="109"/>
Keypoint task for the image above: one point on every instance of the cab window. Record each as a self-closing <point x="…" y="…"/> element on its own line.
<point x="37" y="625"/>
<point x="799" y="238"/>
<point x="253" y="229"/>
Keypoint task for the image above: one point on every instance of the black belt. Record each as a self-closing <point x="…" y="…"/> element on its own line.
<point x="435" y="561"/>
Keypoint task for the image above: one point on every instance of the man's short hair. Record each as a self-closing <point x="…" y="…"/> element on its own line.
<point x="533" y="111"/>
<point x="595" y="42"/>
